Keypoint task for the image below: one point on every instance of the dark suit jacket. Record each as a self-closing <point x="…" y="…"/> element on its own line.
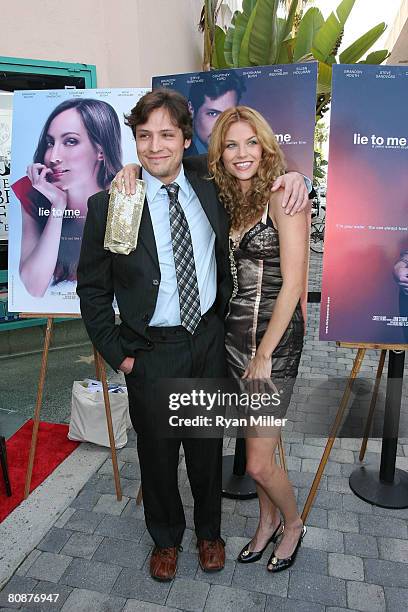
<point x="192" y="150"/>
<point x="135" y="278"/>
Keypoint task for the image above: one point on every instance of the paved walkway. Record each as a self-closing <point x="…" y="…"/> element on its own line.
<point x="354" y="556"/>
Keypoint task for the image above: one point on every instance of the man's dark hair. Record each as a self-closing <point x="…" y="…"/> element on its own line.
<point x="172" y="101"/>
<point x="214" y="88"/>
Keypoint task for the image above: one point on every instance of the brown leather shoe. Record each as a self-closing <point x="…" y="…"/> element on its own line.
<point x="211" y="554"/>
<point x="163" y="563"/>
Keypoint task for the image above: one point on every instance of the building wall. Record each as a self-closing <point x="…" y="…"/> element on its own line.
<point x="397" y="40"/>
<point x="129" y="41"/>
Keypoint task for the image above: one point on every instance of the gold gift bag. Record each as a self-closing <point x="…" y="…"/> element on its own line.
<point x="123" y="221"/>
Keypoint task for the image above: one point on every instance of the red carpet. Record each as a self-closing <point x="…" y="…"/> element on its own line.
<point x="53" y="447"/>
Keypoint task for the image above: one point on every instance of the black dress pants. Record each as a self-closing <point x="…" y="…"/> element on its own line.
<point x="177" y="354"/>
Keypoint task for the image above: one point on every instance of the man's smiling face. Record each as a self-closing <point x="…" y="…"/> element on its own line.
<point x="160" y="145"/>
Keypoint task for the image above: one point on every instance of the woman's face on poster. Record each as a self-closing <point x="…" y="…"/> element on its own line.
<point x="70" y="154"/>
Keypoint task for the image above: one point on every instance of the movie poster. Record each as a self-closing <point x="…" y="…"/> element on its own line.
<point x="66" y="146"/>
<point x="365" y="268"/>
<point x="6" y="100"/>
<point x="284" y="94"/>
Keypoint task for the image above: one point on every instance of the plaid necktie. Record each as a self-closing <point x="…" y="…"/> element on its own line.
<point x="189" y="297"/>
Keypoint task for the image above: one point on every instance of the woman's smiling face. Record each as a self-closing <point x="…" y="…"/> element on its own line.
<point x="70" y="154"/>
<point x="242" y="153"/>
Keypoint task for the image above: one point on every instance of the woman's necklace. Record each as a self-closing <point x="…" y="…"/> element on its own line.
<point x="237" y="236"/>
<point x="234" y="242"/>
<point x="236" y="239"/>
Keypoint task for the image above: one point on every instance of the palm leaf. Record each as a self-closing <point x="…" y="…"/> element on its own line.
<point x="328" y="34"/>
<point x="229" y="37"/>
<point x="324" y="77"/>
<point x="356" y="50"/>
<point x="287" y="30"/>
<point x="241" y="23"/>
<point x="248" y="6"/>
<point x="376" y="57"/>
<point x="263" y="42"/>
<point x="326" y="38"/>
<point x="311" y="22"/>
<point x="244" y="59"/>
<point x="344" y="9"/>
<point x="286" y="51"/>
<point x="218" y="58"/>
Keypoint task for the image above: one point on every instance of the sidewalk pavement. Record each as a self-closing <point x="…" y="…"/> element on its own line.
<point x="94" y="551"/>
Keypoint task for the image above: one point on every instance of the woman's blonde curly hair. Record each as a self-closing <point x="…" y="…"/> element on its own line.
<point x="244" y="208"/>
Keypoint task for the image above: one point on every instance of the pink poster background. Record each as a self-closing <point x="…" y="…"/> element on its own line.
<point x="367" y="206"/>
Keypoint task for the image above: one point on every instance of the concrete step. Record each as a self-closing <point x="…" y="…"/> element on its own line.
<point x="31" y="339"/>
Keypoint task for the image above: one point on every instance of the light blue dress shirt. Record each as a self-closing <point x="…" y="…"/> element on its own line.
<point x="167" y="311"/>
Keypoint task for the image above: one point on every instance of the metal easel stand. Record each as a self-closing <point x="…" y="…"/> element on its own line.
<point x="387" y="487"/>
<point x="390" y="436"/>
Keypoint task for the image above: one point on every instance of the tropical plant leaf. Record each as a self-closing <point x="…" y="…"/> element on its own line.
<point x="329" y="33"/>
<point x="309" y="57"/>
<point x="287" y="30"/>
<point x="228" y="41"/>
<point x="218" y="58"/>
<point x="248" y="6"/>
<point x="263" y="42"/>
<point x="359" y="47"/>
<point x="344" y="9"/>
<point x="310" y="23"/>
<point x="241" y="23"/>
<point x="244" y="59"/>
<point x="326" y="38"/>
<point x="324" y="77"/>
<point x="286" y="51"/>
<point x="376" y="57"/>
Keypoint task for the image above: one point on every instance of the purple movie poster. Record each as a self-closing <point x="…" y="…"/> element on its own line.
<point x="285" y="95"/>
<point x="365" y="268"/>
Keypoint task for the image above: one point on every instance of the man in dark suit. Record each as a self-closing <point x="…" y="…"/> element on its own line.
<point x="172" y="293"/>
<point x="151" y="341"/>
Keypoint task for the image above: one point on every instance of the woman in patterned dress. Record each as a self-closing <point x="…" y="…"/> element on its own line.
<point x="264" y="328"/>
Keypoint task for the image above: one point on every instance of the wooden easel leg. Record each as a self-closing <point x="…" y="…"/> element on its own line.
<point x="102" y="371"/>
<point x="34" y="436"/>
<point x="372" y="405"/>
<point x="333" y="432"/>
<point x="97" y="366"/>
<point x="282" y="458"/>
<point x="139" y="496"/>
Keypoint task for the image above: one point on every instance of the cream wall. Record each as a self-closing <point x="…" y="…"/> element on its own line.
<point x="129" y="41"/>
<point x="397" y="40"/>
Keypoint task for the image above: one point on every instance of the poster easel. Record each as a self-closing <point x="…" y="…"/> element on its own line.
<point x="393" y="402"/>
<point x="100" y="371"/>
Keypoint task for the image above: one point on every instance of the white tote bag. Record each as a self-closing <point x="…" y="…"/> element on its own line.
<point x="88" y="416"/>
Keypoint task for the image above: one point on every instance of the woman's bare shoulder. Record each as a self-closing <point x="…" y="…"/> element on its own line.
<point x="275" y="205"/>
